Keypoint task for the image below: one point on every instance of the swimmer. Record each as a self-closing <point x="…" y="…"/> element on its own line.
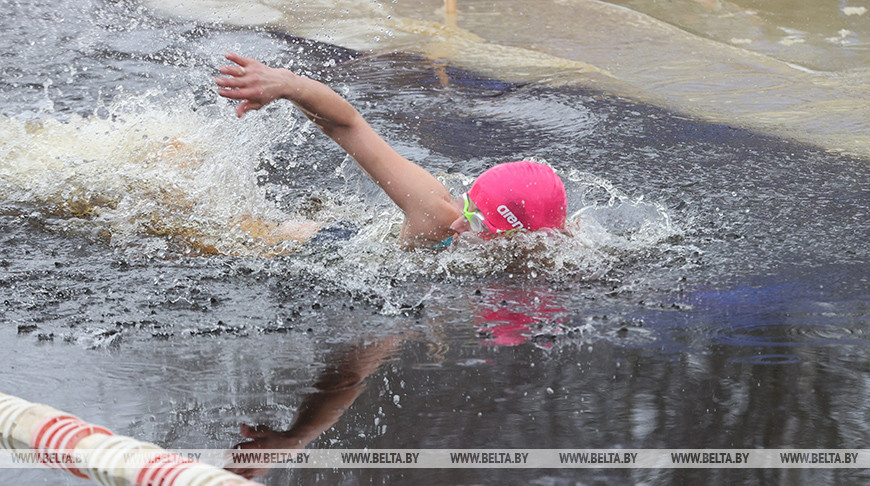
<point x="508" y="197"/>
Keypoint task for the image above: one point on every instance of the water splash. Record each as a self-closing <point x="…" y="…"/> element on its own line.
<point x="167" y="176"/>
<point x="145" y="166"/>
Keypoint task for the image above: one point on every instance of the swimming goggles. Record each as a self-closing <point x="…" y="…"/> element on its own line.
<point x="475" y="218"/>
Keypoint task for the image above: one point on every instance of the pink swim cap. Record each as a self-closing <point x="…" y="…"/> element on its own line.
<point x="522" y="194"/>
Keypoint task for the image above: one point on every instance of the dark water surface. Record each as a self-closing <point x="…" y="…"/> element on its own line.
<point x="714" y="294"/>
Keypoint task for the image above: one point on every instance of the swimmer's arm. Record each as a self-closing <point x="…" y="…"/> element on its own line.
<point x="427" y="204"/>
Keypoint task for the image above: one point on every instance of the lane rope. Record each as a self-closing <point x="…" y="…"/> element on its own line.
<point x="53" y="434"/>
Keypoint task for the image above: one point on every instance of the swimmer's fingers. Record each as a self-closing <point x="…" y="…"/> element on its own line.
<point x="244" y="88"/>
<point x="249" y="432"/>
<point x="240" y="60"/>
<point x="234" y="83"/>
<point x="247" y="72"/>
<point x="235" y="86"/>
<point x="240" y="93"/>
<point x="246" y="106"/>
<point x="251" y="82"/>
<point x="244" y="65"/>
<point x="245" y="95"/>
<point x="235" y="71"/>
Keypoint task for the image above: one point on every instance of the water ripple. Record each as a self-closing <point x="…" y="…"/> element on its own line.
<point x="768" y="359"/>
<point x="785" y="335"/>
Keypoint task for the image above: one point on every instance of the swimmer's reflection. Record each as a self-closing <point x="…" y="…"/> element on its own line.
<point x="510" y="317"/>
<point x="338" y="387"/>
<point x="506" y="317"/>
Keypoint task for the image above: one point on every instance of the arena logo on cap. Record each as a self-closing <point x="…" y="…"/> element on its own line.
<point x="509" y="216"/>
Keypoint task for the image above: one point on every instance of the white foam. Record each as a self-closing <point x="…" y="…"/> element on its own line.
<point x="143" y="168"/>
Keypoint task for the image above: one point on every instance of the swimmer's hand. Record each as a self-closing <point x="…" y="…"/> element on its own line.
<point x="253" y="82"/>
<point x="257" y="85"/>
<point x="262" y="437"/>
<point x="429" y="209"/>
